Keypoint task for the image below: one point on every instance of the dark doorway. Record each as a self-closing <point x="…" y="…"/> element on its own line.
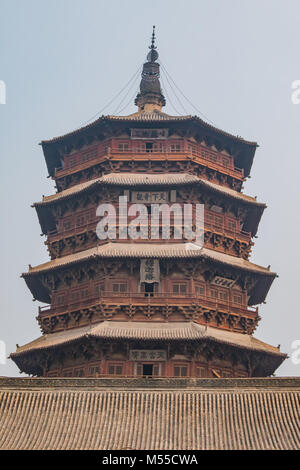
<point x="149" y="289"/>
<point x="149" y="146"/>
<point x="148" y="369"/>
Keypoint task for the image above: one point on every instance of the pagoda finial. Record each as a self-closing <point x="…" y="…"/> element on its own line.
<point x="153" y="39"/>
<point x="150" y="96"/>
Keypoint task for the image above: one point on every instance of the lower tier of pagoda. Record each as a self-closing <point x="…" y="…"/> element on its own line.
<point x="169" y="349"/>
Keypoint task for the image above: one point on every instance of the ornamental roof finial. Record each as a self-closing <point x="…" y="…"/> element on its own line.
<point x="153" y="39"/>
<point x="150" y="96"/>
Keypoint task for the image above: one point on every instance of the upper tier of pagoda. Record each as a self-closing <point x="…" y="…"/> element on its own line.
<point x="189" y="136"/>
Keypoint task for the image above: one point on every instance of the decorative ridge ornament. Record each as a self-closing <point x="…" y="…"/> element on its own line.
<point x="153" y="54"/>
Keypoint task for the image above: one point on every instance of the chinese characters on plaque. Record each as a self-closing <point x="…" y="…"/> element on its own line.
<point x="149" y="271"/>
<point x="149" y="133"/>
<point x="222" y="281"/>
<point x="147" y="355"/>
<point x="151" y="197"/>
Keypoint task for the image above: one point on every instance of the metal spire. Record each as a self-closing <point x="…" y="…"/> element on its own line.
<point x="150" y="95"/>
<point x="153" y="39"/>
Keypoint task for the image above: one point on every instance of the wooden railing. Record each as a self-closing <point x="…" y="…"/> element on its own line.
<point x="131" y="149"/>
<point x="91" y="226"/>
<point x="156" y="298"/>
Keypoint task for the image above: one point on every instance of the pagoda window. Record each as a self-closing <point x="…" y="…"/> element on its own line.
<point x="61" y="299"/>
<point x="123" y="147"/>
<point x="199" y="289"/>
<point x="157" y="147"/>
<point x="175" y="148"/>
<point x="79" y="294"/>
<point x="209" y="218"/>
<point x="223" y="295"/>
<point x="214" y="219"/>
<point x="237" y="298"/>
<point x="214" y="293"/>
<point x="231" y="224"/>
<point x="180" y="288"/>
<point x="115" y="369"/>
<point x="94" y="370"/>
<point x="99" y="289"/>
<point x="213" y="157"/>
<point x="84" y="293"/>
<point x="74" y="296"/>
<point x="79" y="372"/>
<point x="67" y="224"/>
<point x="218" y="220"/>
<point x="200" y="371"/>
<point x="180" y="370"/>
<point x="119" y="287"/>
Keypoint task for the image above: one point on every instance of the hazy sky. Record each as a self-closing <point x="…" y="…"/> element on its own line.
<point x="63" y="60"/>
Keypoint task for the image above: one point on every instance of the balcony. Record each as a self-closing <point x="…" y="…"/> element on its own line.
<point x="219" y="229"/>
<point x="130" y="150"/>
<point x="155" y="299"/>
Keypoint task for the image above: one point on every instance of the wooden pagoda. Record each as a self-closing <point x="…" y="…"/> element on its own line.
<point x="195" y="316"/>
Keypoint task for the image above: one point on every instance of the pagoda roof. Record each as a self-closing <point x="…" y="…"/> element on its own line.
<point x="149" y="250"/>
<point x="153" y="116"/>
<point x="139" y="250"/>
<point x="243" y="150"/>
<point x="148" y="331"/>
<point x="146" y="179"/>
<point x="133" y="180"/>
<point x="136" y="413"/>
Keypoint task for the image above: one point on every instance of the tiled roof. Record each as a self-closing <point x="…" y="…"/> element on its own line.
<point x="156" y="414"/>
<point x="150" y="250"/>
<point x="149" y="331"/>
<point x="150" y="116"/>
<point x="135" y="179"/>
<point x="155" y="116"/>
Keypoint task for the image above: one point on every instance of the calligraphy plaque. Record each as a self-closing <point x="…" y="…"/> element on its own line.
<point x="149" y="133"/>
<point x="149" y="271"/>
<point x="222" y="281"/>
<point x="147" y="355"/>
<point x="150" y="197"/>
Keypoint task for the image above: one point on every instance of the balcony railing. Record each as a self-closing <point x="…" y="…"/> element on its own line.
<point x="131" y="149"/>
<point x="155" y="298"/>
<point x="221" y="229"/>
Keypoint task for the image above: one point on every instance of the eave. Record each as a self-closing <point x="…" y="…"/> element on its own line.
<point x="242" y="150"/>
<point x="113" y="250"/>
<point x="155" y="180"/>
<point x="148" y="331"/>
